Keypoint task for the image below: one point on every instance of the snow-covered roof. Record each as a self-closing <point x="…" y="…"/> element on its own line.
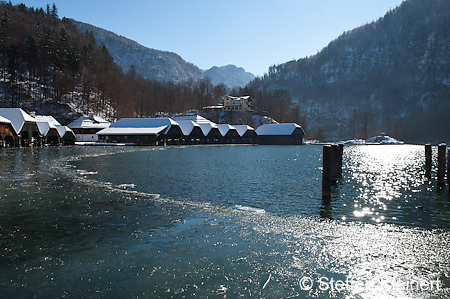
<point x="48" y="118"/>
<point x="17" y="117"/>
<point x="193" y="117"/>
<point x="207" y="127"/>
<point x="224" y="128"/>
<point x="144" y="123"/>
<point x="86" y="122"/>
<point x="205" y="124"/>
<point x="239" y="98"/>
<point x="44" y="127"/>
<point x="62" y="130"/>
<point x="277" y="129"/>
<point x="45" y="123"/>
<point x="4" y="120"/>
<point x="242" y="129"/>
<point x="187" y="126"/>
<point x="132" y="130"/>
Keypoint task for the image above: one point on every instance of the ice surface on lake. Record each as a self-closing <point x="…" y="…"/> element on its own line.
<point x="250" y="209"/>
<point x="180" y="234"/>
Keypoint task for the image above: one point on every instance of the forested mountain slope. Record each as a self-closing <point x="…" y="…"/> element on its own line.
<point x="392" y="75"/>
<point x="48" y="66"/>
<point x="149" y="63"/>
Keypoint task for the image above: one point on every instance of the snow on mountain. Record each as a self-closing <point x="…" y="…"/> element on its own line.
<point x="391" y="75"/>
<point x="230" y="75"/>
<point x="149" y="63"/>
<point x="161" y="65"/>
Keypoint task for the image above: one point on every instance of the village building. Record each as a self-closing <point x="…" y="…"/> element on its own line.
<point x="66" y="134"/>
<point x="248" y="134"/>
<point x="131" y="135"/>
<point x="142" y="131"/>
<point x="192" y="131"/>
<point x="49" y="133"/>
<point x="229" y="134"/>
<point x="47" y="129"/>
<point x="210" y="130"/>
<point x="243" y="103"/>
<point x="7" y="133"/>
<point x="283" y="134"/>
<point x="53" y="132"/>
<point x="86" y="127"/>
<point x="24" y="125"/>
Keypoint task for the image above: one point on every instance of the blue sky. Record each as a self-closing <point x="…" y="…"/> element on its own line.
<point x="253" y="34"/>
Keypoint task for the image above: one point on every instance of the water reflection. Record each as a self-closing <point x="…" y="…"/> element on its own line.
<point x="84" y="225"/>
<point x="386" y="184"/>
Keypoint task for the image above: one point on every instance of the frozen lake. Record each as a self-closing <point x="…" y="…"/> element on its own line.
<point x="163" y="222"/>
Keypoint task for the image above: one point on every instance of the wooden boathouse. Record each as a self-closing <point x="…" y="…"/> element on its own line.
<point x="49" y="133"/>
<point x="282" y="134"/>
<point x="229" y="134"/>
<point x="247" y="134"/>
<point x="24" y="125"/>
<point x="142" y="131"/>
<point x="131" y="135"/>
<point x="66" y="134"/>
<point x="53" y="132"/>
<point x="7" y="133"/>
<point x="211" y="133"/>
<point x="192" y="132"/>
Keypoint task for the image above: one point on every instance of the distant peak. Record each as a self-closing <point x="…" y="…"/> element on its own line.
<point x="230" y="75"/>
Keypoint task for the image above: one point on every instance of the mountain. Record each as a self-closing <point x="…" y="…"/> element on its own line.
<point x="229" y="75"/>
<point x="50" y="67"/>
<point x="150" y="63"/>
<point x="391" y="76"/>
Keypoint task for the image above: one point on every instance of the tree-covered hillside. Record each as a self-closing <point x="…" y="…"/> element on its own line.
<point x="392" y="76"/>
<point x="151" y="64"/>
<point x="50" y="67"/>
<point x="47" y="65"/>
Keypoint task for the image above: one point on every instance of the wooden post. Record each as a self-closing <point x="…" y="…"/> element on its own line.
<point x="441" y="165"/>
<point x="326" y="172"/>
<point x="334" y="163"/>
<point x="448" y="170"/>
<point x="341" y="154"/>
<point x="428" y="162"/>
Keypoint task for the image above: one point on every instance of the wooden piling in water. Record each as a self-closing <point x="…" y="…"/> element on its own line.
<point x="337" y="153"/>
<point x="448" y="170"/>
<point x="334" y="163"/>
<point x="326" y="172"/>
<point x="441" y="165"/>
<point x="341" y="154"/>
<point x="332" y="167"/>
<point x="428" y="162"/>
